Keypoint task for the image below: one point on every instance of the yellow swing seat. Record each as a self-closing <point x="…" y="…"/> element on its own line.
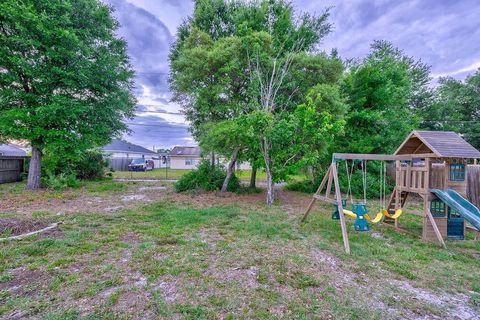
<point x="396" y="215"/>
<point x="352" y="215"/>
<point x="377" y="218"/>
<point x="349" y="213"/>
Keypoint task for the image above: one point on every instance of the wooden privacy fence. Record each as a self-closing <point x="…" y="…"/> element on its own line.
<point x="473" y="187"/>
<point x="121" y="164"/>
<point x="473" y="181"/>
<point x="11" y="168"/>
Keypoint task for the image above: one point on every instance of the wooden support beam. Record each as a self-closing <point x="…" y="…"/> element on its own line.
<point x="325" y="199"/>
<point x="433" y="223"/>
<point x="338" y="196"/>
<point x="381" y="157"/>
<point x="329" y="185"/>
<point x="319" y="190"/>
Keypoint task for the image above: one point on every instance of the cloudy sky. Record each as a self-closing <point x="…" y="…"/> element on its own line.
<point x="443" y="33"/>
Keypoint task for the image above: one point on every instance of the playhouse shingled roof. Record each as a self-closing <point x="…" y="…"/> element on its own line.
<point x="444" y="144"/>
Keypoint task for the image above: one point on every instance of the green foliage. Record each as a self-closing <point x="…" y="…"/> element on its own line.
<point x="87" y="165"/>
<point x="455" y="108"/>
<point x="206" y="177"/>
<point x="66" y="82"/>
<point x="383" y="91"/>
<point x="60" y="181"/>
<point x="301" y="138"/>
<point x="356" y="183"/>
<point x="214" y="81"/>
<point x="225" y="136"/>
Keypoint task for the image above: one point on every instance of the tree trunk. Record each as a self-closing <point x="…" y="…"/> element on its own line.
<point x="35" y="170"/>
<point x="269" y="185"/>
<point x="212" y="158"/>
<point x="253" y="177"/>
<point x="266" y="157"/>
<point x="230" y="169"/>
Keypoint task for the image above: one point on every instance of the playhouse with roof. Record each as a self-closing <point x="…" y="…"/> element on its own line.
<point x="431" y="164"/>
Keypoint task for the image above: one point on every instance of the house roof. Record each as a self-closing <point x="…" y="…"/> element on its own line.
<point x="444" y="144"/>
<point x="182" y="151"/>
<point x="11" y="150"/>
<point x="118" y="145"/>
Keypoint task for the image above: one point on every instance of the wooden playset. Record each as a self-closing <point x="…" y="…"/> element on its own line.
<point x="432" y="164"/>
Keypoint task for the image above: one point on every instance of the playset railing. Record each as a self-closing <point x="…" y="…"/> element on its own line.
<point x="413" y="179"/>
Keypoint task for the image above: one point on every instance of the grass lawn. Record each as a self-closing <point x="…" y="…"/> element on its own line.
<point x="204" y="256"/>
<point x="160" y="174"/>
<point x="174" y="174"/>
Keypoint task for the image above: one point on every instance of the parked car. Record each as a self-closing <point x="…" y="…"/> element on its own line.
<point x="140" y="165"/>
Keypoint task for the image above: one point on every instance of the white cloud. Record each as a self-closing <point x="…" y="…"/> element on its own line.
<point x="462" y="71"/>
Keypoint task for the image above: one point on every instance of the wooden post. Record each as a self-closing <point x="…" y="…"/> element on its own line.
<point x="320" y="187"/>
<point x="432" y="221"/>
<point x="426" y="201"/>
<point x="329" y="184"/>
<point x="397" y="190"/>
<point x="338" y="196"/>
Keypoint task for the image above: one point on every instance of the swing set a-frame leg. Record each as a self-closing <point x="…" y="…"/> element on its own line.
<point x="332" y="175"/>
<point x="338" y="196"/>
<point x="319" y="190"/>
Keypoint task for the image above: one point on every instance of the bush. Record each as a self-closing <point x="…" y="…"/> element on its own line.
<point x="88" y="165"/>
<point x="356" y="183"/>
<point x="91" y="166"/>
<point x="61" y="181"/>
<point x="206" y="177"/>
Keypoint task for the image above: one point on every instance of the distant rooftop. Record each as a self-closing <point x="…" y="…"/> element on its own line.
<point x="444" y="144"/>
<point x="11" y="150"/>
<point x="118" y="145"/>
<point x="185" y="151"/>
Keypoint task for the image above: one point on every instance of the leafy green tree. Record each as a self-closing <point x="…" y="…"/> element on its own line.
<point x="385" y="92"/>
<point x="230" y="138"/>
<point x="65" y="78"/>
<point x="456" y="108"/>
<point x="254" y="61"/>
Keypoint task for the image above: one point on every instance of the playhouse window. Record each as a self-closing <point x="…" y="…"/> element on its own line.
<point x="457" y="172"/>
<point x="453" y="214"/>
<point x="437" y="208"/>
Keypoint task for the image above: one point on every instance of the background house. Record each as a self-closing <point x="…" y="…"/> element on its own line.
<point x="120" y="153"/>
<point x="182" y="157"/>
<point x="12" y="160"/>
<point x="11" y="151"/>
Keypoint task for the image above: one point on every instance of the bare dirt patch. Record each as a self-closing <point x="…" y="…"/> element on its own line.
<point x="15" y="226"/>
<point x="23" y="281"/>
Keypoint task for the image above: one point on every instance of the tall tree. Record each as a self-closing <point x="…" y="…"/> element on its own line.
<point x="384" y="91"/>
<point x="456" y="108"/>
<point x="251" y="60"/>
<point x="65" y="77"/>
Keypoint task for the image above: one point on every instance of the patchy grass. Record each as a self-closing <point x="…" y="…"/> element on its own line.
<point x="175" y="174"/>
<point x="158" y="174"/>
<point x="179" y="259"/>
<point x="99" y="187"/>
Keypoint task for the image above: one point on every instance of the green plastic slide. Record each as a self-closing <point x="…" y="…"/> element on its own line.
<point x="466" y="209"/>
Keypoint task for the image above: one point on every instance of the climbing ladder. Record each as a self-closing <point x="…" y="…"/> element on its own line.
<point x="391" y="203"/>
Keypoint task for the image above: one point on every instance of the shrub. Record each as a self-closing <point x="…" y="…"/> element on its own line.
<point x="206" y="177"/>
<point x="87" y="165"/>
<point x="91" y="165"/>
<point x="60" y="181"/>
